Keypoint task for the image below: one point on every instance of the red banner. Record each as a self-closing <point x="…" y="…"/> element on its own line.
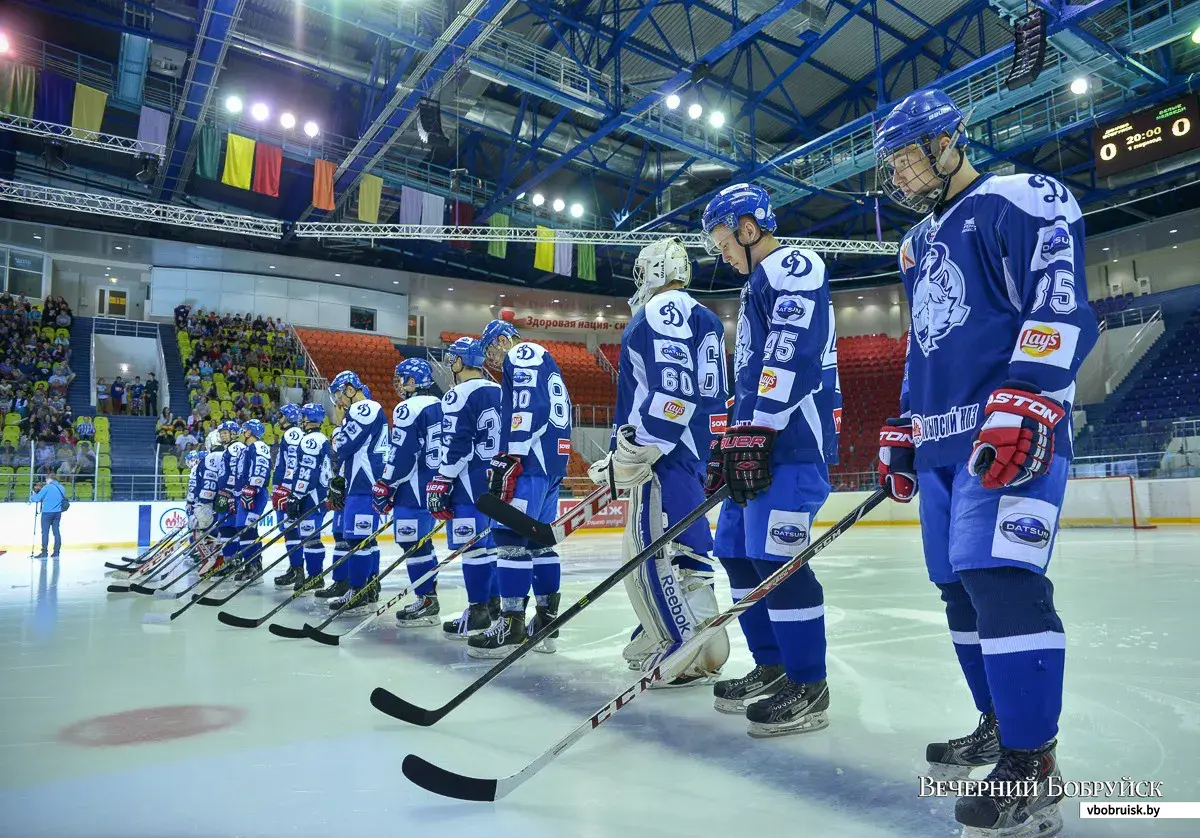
<point x="612" y="515"/>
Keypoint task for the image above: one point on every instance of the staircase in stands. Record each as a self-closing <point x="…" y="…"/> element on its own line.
<point x="176" y="382"/>
<point x="79" y="394"/>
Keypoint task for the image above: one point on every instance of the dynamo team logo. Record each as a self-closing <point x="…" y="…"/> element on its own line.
<point x="525" y="352"/>
<point x="671" y="314"/>
<point x="939" y="298"/>
<point x="796" y="263"/>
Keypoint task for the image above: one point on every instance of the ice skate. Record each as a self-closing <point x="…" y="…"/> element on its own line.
<point x="502" y="637"/>
<point x="954" y="760"/>
<point x="250" y="571"/>
<point x="289" y="579"/>
<point x="357" y="601"/>
<point x="306" y="585"/>
<point x="1015" y="816"/>
<point x="796" y="708"/>
<point x="422" y="612"/>
<point x="338" y="589"/>
<point x="734" y="695"/>
<point x="473" y="620"/>
<point x="545" y="614"/>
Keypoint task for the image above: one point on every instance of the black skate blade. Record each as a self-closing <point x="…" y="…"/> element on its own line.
<point x="238" y="622"/>
<point x="314" y="633"/>
<point x="446" y="783"/>
<point x="393" y="705"/>
<point x="285" y="631"/>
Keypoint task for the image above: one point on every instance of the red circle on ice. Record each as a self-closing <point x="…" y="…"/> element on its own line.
<point x="150" y="724"/>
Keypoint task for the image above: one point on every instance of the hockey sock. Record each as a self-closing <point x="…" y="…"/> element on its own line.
<point x="478" y="575"/>
<point x="547" y="574"/>
<point x="514" y="571"/>
<point x="231" y="545"/>
<point x="250" y="548"/>
<point x="314" y="558"/>
<point x="1024" y="651"/>
<point x="755" y="623"/>
<point x="341" y="572"/>
<point x="418" y="566"/>
<point x="295" y="551"/>
<point x="373" y="555"/>
<point x="796" y="609"/>
<point x="360" y="568"/>
<point x="960" y="615"/>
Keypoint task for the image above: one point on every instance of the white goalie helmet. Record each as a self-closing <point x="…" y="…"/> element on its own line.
<point x="213" y="441"/>
<point x="657" y="264"/>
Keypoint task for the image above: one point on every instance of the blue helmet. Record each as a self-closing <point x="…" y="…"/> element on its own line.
<point x="731" y="204"/>
<point x="313" y="413"/>
<point x="191" y="458"/>
<point x="494" y="331"/>
<point x="344" y="379"/>
<point x="254" y="428"/>
<point x="290" y="412"/>
<point x="229" y="425"/>
<point x="418" y="370"/>
<point x="919" y="119"/>
<point x="467" y="349"/>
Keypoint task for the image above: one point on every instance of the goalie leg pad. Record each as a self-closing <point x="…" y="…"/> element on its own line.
<point x="204" y="516"/>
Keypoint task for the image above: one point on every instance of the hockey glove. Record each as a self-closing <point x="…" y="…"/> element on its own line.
<point x="437" y="498"/>
<point x="747" y="454"/>
<point x="600" y="472"/>
<point x="502" y="476"/>
<point x="279" y="498"/>
<point x="249" y="493"/>
<point x="221" y="502"/>
<point x="631" y="464"/>
<point x="294" y="506"/>
<point x="337" y="493"/>
<point x="897" y="473"/>
<point x="714" y="476"/>
<point x="383" y="497"/>
<point x="1016" y="442"/>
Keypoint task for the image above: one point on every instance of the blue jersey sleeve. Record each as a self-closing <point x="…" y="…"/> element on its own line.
<point x="259" y="455"/>
<point x="191" y="486"/>
<point x="357" y="429"/>
<point x="1042" y="243"/>
<point x="525" y="403"/>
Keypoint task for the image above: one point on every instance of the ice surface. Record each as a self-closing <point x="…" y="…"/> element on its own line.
<point x="304" y="754"/>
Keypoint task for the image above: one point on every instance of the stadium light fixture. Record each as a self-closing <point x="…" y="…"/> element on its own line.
<point x="287" y="120"/>
<point x="1079" y="86"/>
<point x="311" y="129"/>
<point x="233" y="104"/>
<point x="538" y="199"/>
<point x="577" y="210"/>
<point x="559" y="204"/>
<point x="673" y="100"/>
<point x="6" y="45"/>
<point x="1196" y="35"/>
<point x="260" y="111"/>
<point x="716" y="119"/>
<point x="519" y="197"/>
<point x="695" y="110"/>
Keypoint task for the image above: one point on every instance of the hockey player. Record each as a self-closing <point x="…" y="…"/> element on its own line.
<point x="254" y="467"/>
<point x="994" y="276"/>
<point x="308" y="492"/>
<point x="782" y="435"/>
<point x="210" y="478"/>
<point x="527" y="471"/>
<point x="362" y="442"/>
<point x="470" y="438"/>
<point x="671" y="389"/>
<point x="192" y="460"/>
<point x="283" y="477"/>
<point x="224" y="505"/>
<point x="410" y="463"/>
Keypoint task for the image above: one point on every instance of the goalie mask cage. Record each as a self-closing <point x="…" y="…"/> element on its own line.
<point x="1104" y="502"/>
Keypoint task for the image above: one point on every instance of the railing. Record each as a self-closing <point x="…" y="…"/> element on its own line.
<point x="92" y="383"/>
<point x="441" y="372"/>
<point x="592" y="414"/>
<point x="1135" y="349"/>
<point x="606" y="364"/>
<point x="124" y="327"/>
<point x="1183" y="428"/>
<point x="854" y="481"/>
<point x="1140" y="464"/>
<point x="317" y="381"/>
<point x="164" y="386"/>
<point x="1132" y="316"/>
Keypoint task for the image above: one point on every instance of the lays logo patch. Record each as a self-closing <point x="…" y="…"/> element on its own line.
<point x="837" y="420"/>
<point x="1040" y="341"/>
<point x="673" y="409"/>
<point x="767" y="382"/>
<point x="517" y="421"/>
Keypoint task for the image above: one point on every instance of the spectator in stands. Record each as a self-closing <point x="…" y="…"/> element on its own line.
<point x="181" y="315"/>
<point x="43" y="455"/>
<point x="8" y="455"/>
<point x="194" y="422"/>
<point x="102" y="405"/>
<point x="151" y="395"/>
<point x="185" y="442"/>
<point x="85" y="430"/>
<point x="136" y="391"/>
<point x="117" y="396"/>
<point x="85" y="459"/>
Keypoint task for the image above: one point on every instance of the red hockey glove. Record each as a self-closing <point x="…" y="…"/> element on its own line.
<point x="747" y="468"/>
<point x="249" y="493"/>
<point x="502" y="476"/>
<point x="383" y="497"/>
<point x="279" y="498"/>
<point x="1016" y="442"/>
<point x="714" y="475"/>
<point x="897" y="473"/>
<point x="437" y="498"/>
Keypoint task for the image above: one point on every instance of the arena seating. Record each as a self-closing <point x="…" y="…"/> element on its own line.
<point x="373" y="357"/>
<point x="871" y="368"/>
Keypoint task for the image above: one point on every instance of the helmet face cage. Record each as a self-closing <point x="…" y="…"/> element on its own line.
<point x="925" y="183"/>
<point x="913" y="131"/>
<point x="657" y="265"/>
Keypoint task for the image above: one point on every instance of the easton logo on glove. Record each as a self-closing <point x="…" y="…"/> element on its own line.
<point x="1026" y="403"/>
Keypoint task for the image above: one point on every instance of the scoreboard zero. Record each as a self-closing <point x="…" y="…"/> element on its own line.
<point x="1167" y="129"/>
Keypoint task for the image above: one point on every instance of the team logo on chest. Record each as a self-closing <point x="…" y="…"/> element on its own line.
<point x="939" y="298"/>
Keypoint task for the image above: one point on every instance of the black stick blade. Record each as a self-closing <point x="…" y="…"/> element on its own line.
<point x="238" y="622"/>
<point x="285" y="631"/>
<point x="117" y="589"/>
<point x="122" y="566"/>
<point x="393" y="705"/>
<point x="313" y="633"/>
<point x="141" y="589"/>
<point x="205" y="600"/>
<point x="446" y="783"/>
<point x="514" y="519"/>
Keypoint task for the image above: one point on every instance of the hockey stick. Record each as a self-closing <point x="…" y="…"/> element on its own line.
<point x="243" y="622"/>
<point x="160" y="591"/>
<point x="450" y="784"/>
<point x="226" y="567"/>
<point x="202" y="599"/>
<point x="296" y="633"/>
<point x="145" y="556"/>
<point x="316" y="633"/>
<point x="336" y="639"/>
<point x="396" y="707"/>
<point x="159" y="565"/>
<point x="547" y="533"/>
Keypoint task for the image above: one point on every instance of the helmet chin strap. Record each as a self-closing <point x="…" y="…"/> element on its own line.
<point x="737" y="237"/>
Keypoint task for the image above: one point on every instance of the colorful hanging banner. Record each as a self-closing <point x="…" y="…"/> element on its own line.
<point x="239" y="161"/>
<point x="370" y="191"/>
<point x="322" y="197"/>
<point x="87" y="115"/>
<point x="543" y="251"/>
<point x="268" y="161"/>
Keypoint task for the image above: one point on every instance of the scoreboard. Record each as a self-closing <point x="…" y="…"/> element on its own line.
<point x="1167" y="129"/>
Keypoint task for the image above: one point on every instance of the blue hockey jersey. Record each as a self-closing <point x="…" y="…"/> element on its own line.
<point x="362" y="444"/>
<point x="314" y="467"/>
<point x="671" y="377"/>
<point x="285" y="458"/>
<point x="210" y="476"/>
<point x="785" y="357"/>
<point x="233" y="472"/>
<point x="254" y="464"/>
<point x="997" y="289"/>
<point x="415" y="451"/>
<point x="192" y="484"/>
<point x="470" y="433"/>
<point x="535" y="416"/>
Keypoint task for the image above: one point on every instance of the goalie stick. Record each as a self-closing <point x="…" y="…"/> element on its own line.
<point x="546" y="533"/>
<point x="159" y="564"/>
<point x="161" y="590"/>
<point x="396" y="707"/>
<point x="243" y="622"/>
<point x="139" y="560"/>
<point x="438" y="780"/>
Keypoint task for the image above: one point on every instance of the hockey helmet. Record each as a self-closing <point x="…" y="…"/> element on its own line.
<point x="732" y="204"/>
<point x="495" y="330"/>
<point x="919" y="120"/>
<point x="658" y="264"/>
<point x="467" y="350"/>
<point x="191" y="459"/>
<point x="418" y="370"/>
<point x="313" y="413"/>
<point x="254" y="428"/>
<point x="290" y="413"/>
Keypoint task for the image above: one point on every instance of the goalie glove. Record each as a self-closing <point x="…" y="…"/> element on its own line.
<point x="437" y="498"/>
<point x="279" y="498"/>
<point x="336" y="499"/>
<point x="600" y="472"/>
<point x="631" y="464"/>
<point x="383" y="497"/>
<point x="747" y="468"/>
<point x="249" y="493"/>
<point x="1016" y="442"/>
<point x="502" y="475"/>
<point x="897" y="473"/>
